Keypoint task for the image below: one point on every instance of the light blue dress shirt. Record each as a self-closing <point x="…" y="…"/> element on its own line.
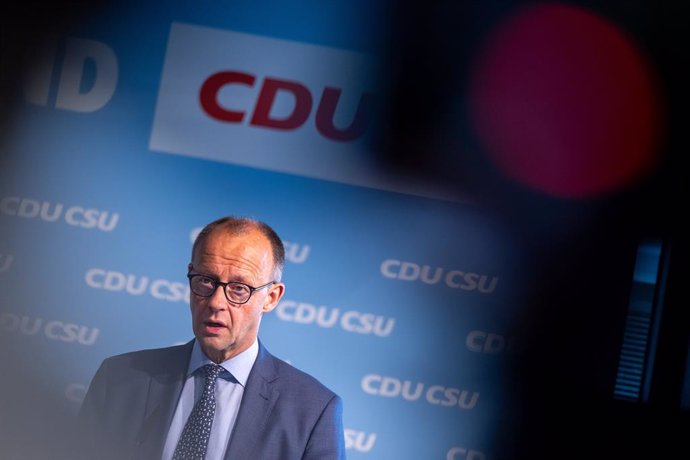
<point x="229" y="391"/>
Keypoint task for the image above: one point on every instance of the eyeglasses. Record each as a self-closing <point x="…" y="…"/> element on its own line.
<point x="235" y="292"/>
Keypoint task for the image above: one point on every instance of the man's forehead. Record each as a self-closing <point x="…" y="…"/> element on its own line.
<point x="249" y="239"/>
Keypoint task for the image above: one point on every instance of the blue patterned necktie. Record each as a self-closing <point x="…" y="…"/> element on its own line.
<point x="194" y="438"/>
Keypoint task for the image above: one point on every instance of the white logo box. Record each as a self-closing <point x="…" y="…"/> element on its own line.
<point x="181" y="126"/>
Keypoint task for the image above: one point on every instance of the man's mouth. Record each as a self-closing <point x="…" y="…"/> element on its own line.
<point x="210" y="323"/>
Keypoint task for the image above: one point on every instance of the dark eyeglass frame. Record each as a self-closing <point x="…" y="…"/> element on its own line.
<point x="217" y="283"/>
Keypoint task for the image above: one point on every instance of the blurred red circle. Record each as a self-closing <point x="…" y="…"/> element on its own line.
<point x="563" y="102"/>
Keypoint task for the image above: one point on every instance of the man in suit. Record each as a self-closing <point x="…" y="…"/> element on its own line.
<point x="177" y="403"/>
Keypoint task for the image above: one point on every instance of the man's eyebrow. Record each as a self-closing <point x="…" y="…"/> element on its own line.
<point x="231" y="279"/>
<point x="239" y="279"/>
<point x="235" y="278"/>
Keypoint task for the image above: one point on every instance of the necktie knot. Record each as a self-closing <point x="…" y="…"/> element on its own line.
<point x="212" y="371"/>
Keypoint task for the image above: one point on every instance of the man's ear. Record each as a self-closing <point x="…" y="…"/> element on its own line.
<point x="190" y="267"/>
<point x="275" y="292"/>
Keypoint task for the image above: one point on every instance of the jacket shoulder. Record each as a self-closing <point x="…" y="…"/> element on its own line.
<point x="150" y="353"/>
<point x="295" y="380"/>
<point x="150" y="361"/>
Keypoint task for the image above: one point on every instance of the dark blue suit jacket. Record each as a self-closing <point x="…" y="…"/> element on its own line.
<point x="285" y="413"/>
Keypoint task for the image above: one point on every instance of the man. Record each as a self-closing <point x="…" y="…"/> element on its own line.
<point x="176" y="403"/>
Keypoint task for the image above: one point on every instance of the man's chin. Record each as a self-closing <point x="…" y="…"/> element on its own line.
<point x="215" y="347"/>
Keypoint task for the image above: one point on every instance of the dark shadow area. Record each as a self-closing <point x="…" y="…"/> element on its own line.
<point x="35" y="422"/>
<point x="581" y="250"/>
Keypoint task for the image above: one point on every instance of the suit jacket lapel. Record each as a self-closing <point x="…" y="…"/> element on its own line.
<point x="164" y="391"/>
<point x="257" y="403"/>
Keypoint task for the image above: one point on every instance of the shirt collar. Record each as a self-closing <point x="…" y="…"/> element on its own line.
<point x="239" y="366"/>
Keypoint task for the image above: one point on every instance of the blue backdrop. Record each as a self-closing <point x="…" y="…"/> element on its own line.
<point x="145" y="123"/>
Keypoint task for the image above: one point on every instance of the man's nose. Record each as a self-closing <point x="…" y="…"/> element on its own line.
<point x="218" y="301"/>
